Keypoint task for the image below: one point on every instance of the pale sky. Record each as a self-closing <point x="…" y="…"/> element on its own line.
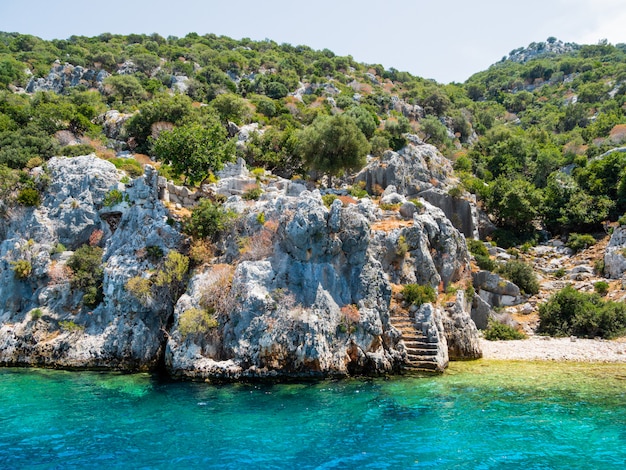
<point x="447" y="40"/>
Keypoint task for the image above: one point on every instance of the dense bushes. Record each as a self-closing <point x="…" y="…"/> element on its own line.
<point x="207" y="220"/>
<point x="417" y="294"/>
<point x="578" y="242"/>
<point x="88" y="273"/>
<point x="569" y="312"/>
<point x="497" y="331"/>
<point x="196" y="321"/>
<point x="522" y="275"/>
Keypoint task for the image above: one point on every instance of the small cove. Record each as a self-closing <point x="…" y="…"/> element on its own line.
<point x="481" y="414"/>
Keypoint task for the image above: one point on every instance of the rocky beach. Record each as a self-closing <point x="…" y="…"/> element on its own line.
<point x="545" y="348"/>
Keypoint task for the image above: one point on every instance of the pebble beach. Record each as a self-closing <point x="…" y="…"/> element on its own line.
<point x="540" y="348"/>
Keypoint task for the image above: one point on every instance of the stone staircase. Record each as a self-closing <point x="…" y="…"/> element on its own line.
<point x="421" y="352"/>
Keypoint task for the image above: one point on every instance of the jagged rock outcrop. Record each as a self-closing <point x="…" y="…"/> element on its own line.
<point x="317" y="303"/>
<point x="412" y="170"/>
<point x="615" y="255"/>
<point x="117" y="333"/>
<point x="460" y="330"/>
<point x="64" y="76"/>
<point x="420" y="170"/>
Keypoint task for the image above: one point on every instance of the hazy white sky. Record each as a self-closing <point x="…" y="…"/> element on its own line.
<point x="447" y="40"/>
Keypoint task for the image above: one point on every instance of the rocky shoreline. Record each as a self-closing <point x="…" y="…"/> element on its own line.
<point x="544" y="348"/>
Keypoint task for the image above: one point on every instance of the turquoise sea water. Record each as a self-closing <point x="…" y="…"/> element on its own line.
<point x="480" y="415"/>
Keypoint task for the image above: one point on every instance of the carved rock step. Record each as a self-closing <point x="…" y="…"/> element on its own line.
<point x="422" y="366"/>
<point x="420" y="354"/>
<point x="419" y="338"/>
<point x="417" y="344"/>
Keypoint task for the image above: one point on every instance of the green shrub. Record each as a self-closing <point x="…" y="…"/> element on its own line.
<point x="252" y="194"/>
<point x="389" y="207"/>
<point x="77" y="150"/>
<point x="622" y="220"/>
<point x="417" y="294"/>
<point x="485" y="263"/>
<point x="359" y="190"/>
<point x="29" y="197"/>
<point x="87" y="273"/>
<point x="601" y="287"/>
<point x="129" y="165"/>
<point x="207" y="220"/>
<point x="35" y="314"/>
<point x="559" y="273"/>
<point x="455" y="192"/>
<point x="476" y="247"/>
<point x="59" y="248"/>
<point x="522" y="275"/>
<point x="21" y="268"/>
<point x="196" y="321"/>
<point x="497" y="331"/>
<point x="328" y="199"/>
<point x="470" y="292"/>
<point x="69" y="325"/>
<point x="569" y="312"/>
<point x="505" y="238"/>
<point x="140" y="288"/>
<point x="154" y="252"/>
<point x="598" y="267"/>
<point x="113" y="197"/>
<point x="174" y="269"/>
<point x="260" y="218"/>
<point x="578" y="242"/>
<point x="402" y="247"/>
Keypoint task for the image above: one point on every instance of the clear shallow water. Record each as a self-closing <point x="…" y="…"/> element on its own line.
<point x="481" y="415"/>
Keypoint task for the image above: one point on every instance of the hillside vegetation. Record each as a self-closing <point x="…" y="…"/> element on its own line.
<point x="534" y="136"/>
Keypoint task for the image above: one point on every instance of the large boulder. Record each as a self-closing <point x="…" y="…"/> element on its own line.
<point x="495" y="290"/>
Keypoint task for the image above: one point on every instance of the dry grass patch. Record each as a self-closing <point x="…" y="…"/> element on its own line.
<point x="388" y="225"/>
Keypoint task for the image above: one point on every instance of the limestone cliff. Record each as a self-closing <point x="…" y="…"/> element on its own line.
<point x="44" y="320"/>
<point x="297" y="289"/>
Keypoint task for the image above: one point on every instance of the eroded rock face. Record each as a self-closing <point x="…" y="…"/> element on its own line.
<point x="420" y="170"/>
<point x="412" y="170"/>
<point x="303" y="291"/>
<point x="614" y="259"/>
<point x="63" y="76"/>
<point x="120" y="332"/>
<point x="317" y="303"/>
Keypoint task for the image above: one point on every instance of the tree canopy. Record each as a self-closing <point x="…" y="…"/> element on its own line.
<point x="195" y="150"/>
<point x="333" y="144"/>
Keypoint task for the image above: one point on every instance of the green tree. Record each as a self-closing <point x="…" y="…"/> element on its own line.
<point x="364" y="119"/>
<point x="162" y="108"/>
<point x="195" y="150"/>
<point x="332" y="145"/>
<point x="434" y="131"/>
<point x="232" y="107"/>
<point x="124" y="88"/>
<point x="515" y="204"/>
